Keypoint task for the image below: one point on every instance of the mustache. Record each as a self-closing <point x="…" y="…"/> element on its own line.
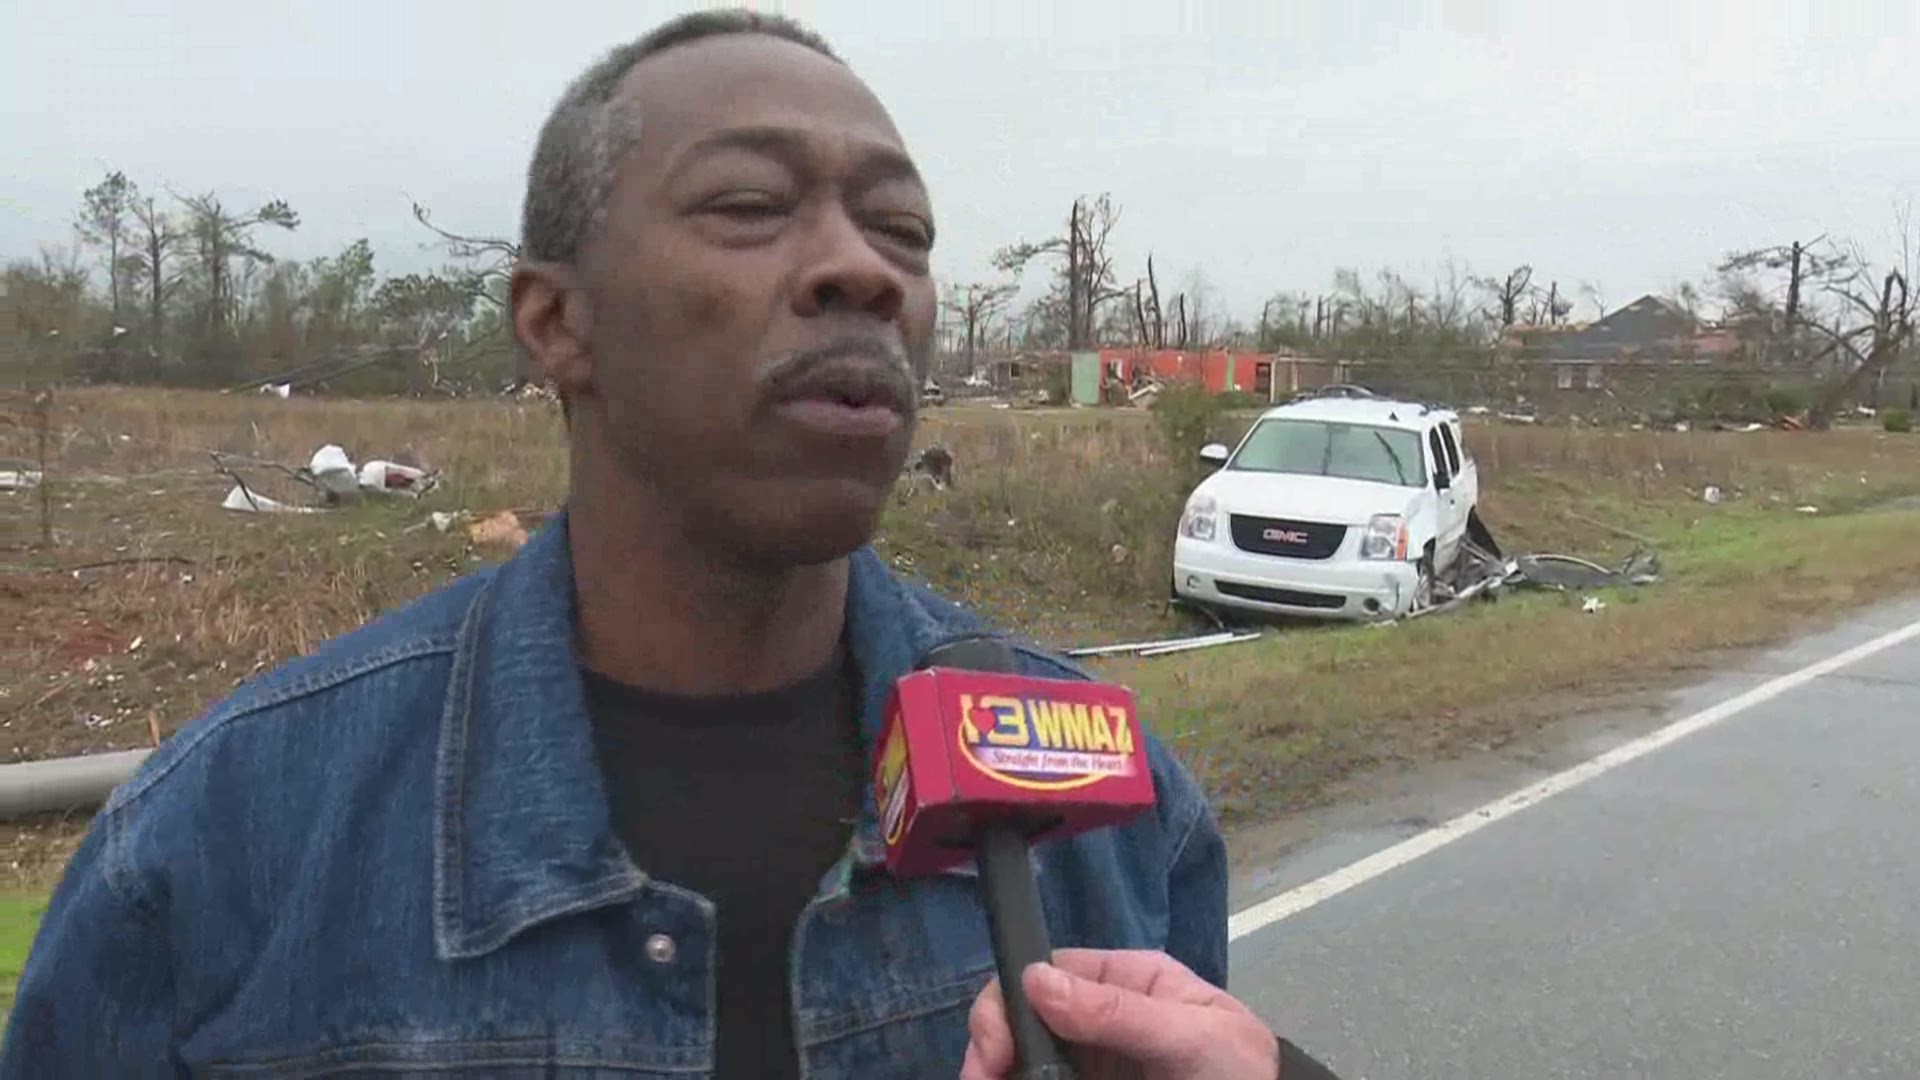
<point x="870" y="364"/>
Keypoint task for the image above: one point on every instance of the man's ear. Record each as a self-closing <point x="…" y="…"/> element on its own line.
<point x="553" y="320"/>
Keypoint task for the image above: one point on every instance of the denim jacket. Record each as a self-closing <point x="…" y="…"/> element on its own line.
<point x="395" y="858"/>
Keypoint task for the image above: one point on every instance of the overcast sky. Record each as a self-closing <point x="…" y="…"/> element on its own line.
<point x="1629" y="144"/>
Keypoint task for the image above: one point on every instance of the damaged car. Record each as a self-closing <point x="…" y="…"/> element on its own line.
<point x="1331" y="508"/>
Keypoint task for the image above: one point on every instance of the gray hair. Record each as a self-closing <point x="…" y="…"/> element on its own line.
<point x="588" y="132"/>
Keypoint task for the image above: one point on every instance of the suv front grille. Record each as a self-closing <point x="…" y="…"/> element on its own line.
<point x="1289" y="597"/>
<point x="1291" y="539"/>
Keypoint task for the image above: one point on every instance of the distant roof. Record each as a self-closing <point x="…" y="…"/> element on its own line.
<point x="1379" y="412"/>
<point x="1650" y="328"/>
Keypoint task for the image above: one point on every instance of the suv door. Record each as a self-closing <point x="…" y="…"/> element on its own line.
<point x="1466" y="474"/>
<point x="1451" y="527"/>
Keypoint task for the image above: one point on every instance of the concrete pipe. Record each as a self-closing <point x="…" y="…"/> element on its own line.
<point x="63" y="784"/>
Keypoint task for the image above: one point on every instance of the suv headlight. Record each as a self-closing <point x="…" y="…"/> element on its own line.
<point x="1385" y="538"/>
<point x="1198" y="523"/>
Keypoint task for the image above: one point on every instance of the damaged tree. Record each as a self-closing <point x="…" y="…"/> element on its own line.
<point x="1804" y="262"/>
<point x="1507" y="294"/>
<point x="1873" y="345"/>
<point x="1872" y="326"/>
<point x="975" y="305"/>
<point x="1084" y="278"/>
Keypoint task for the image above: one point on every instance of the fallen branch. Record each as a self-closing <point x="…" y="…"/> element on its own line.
<point x="1616" y="530"/>
<point x="131" y="560"/>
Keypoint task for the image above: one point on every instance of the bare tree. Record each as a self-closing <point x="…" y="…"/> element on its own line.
<point x="1875" y="324"/>
<point x="105" y="221"/>
<point x="219" y="237"/>
<point x="1447" y="306"/>
<point x="1084" y="272"/>
<point x="489" y="259"/>
<point x="1507" y="292"/>
<point x="1804" y="262"/>
<point x="157" y="240"/>
<point x="1590" y="292"/>
<point x="975" y="306"/>
<point x="1548" y="308"/>
<point x="1150" y="321"/>
<point x="1685" y="295"/>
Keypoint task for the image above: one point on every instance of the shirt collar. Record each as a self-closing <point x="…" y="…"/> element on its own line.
<point x="524" y="830"/>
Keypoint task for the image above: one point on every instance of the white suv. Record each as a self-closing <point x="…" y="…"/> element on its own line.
<point x="1329" y="508"/>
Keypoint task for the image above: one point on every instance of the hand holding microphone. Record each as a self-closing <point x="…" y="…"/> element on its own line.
<point x="977" y="760"/>
<point x="1129" y="1015"/>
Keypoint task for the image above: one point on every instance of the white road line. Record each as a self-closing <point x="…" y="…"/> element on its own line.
<point x="1298" y="899"/>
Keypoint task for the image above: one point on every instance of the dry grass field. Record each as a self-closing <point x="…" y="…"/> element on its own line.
<point x="155" y="601"/>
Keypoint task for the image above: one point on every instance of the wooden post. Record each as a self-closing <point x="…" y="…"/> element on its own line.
<point x="43" y="417"/>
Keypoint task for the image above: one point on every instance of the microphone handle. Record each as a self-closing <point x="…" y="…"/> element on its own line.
<point x="1019" y="931"/>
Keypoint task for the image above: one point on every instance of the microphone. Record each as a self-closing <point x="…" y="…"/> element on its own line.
<point x="977" y="760"/>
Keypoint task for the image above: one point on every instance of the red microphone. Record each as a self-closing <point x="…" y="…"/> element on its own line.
<point x="978" y="761"/>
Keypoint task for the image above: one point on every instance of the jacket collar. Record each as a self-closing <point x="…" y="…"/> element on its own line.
<point x="524" y="831"/>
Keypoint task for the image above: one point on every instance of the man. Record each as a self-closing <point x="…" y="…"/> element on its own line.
<point x="601" y="810"/>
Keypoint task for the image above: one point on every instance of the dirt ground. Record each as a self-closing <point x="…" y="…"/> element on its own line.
<point x="157" y="602"/>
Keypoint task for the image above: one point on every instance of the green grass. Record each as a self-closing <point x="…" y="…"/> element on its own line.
<point x="19" y="919"/>
<point x="1270" y="725"/>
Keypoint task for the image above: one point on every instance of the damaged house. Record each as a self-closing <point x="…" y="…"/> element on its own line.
<point x="1645" y="344"/>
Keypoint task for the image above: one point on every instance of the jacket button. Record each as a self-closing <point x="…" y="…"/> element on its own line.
<point x="661" y="949"/>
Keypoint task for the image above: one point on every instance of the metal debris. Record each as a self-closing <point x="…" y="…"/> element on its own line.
<point x="1562" y="572"/>
<point x="1484" y="572"/>
<point x="1167" y="646"/>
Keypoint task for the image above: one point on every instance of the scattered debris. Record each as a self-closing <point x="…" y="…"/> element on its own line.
<point x="332" y="472"/>
<point x="1593" y="605"/>
<point x="1167" y="646"/>
<point x="1484" y="572"/>
<point x="246" y="501"/>
<point x="935" y="463"/>
<point x="1713" y="495"/>
<point x="1562" y="572"/>
<point x="392" y="478"/>
<point x="1189" y="646"/>
<point x="444" y="520"/>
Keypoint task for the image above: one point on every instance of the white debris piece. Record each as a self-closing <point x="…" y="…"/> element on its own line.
<point x="1713" y="495"/>
<point x="281" y="390"/>
<point x="19" y="479"/>
<point x="392" y="478"/>
<point x="248" y="502"/>
<point x="333" y="471"/>
<point x="1593" y="605"/>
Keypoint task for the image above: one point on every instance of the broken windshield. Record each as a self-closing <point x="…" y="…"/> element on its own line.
<point x="1323" y="448"/>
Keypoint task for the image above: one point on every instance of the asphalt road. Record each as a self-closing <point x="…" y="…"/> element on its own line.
<point x="1741" y="902"/>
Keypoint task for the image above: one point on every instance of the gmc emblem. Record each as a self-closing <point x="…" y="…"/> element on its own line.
<point x="1284" y="536"/>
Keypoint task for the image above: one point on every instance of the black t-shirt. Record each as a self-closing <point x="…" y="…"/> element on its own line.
<point x="748" y="800"/>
